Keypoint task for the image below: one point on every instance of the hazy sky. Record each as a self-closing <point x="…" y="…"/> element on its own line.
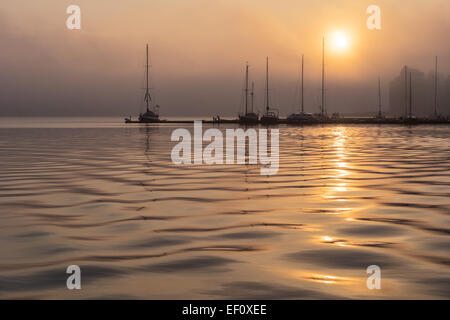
<point x="198" y="50"/>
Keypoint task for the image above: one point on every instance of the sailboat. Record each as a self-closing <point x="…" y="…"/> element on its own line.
<point x="408" y="118"/>
<point x="151" y="114"/>
<point x="248" y="117"/>
<point x="436" y="114"/>
<point x="411" y="117"/>
<point x="323" y="112"/>
<point x="380" y="114"/>
<point x="300" y="116"/>
<point x="271" y="115"/>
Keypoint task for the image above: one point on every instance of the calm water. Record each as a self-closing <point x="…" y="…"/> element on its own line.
<point x="106" y="196"/>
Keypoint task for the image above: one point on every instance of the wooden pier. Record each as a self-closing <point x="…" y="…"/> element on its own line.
<point x="384" y="121"/>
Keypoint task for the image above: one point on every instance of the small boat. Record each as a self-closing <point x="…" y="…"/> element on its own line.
<point x="271" y="116"/>
<point x="302" y="116"/>
<point x="335" y="115"/>
<point x="248" y="117"/>
<point x="151" y="115"/>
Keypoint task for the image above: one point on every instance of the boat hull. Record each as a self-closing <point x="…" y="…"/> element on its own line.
<point x="269" y="120"/>
<point x="143" y="120"/>
<point x="149" y="120"/>
<point x="248" y="120"/>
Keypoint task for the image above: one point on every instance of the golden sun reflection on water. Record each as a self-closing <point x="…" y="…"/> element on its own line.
<point x="330" y="240"/>
<point x="327" y="278"/>
<point x="341" y="187"/>
<point x="339" y="165"/>
<point x="320" y="278"/>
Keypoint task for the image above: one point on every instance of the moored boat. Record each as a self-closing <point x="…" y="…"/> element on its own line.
<point x="151" y="115"/>
<point x="248" y="117"/>
<point x="301" y="116"/>
<point x="271" y="116"/>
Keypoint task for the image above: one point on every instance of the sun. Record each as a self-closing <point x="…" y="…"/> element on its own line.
<point x="340" y="41"/>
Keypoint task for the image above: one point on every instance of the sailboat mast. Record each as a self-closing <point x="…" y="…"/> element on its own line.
<point x="267" y="85"/>
<point x="147" y="93"/>
<point x="410" y="95"/>
<point x="246" y="88"/>
<point x="406" y="91"/>
<point x="436" y="87"/>
<point x="379" y="97"/>
<point x="303" y="107"/>
<point x="252" y="94"/>
<point x="323" y="78"/>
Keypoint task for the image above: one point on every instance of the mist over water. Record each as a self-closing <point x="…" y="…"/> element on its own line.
<point x="106" y="196"/>
<point x="198" y="50"/>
